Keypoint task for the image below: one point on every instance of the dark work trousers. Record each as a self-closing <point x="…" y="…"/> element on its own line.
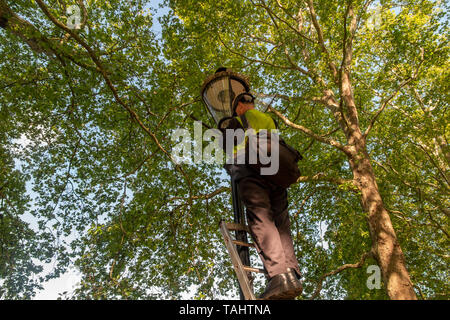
<point x="268" y="219"/>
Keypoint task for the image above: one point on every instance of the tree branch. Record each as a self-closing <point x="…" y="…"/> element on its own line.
<point x="320" y="39"/>
<point x="201" y="196"/>
<point x="338" y="270"/>
<point x="321" y="177"/>
<point x="319" y="138"/>
<point x="255" y="60"/>
<point x="273" y="15"/>
<point x="345" y="85"/>
<point x="392" y="96"/>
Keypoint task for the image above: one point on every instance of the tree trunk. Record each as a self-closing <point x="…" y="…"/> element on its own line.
<point x="385" y="245"/>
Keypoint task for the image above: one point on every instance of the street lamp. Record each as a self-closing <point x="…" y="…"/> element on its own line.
<point x="220" y="89"/>
<point x="218" y="92"/>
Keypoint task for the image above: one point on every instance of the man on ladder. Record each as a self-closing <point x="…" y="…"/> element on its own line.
<point x="266" y="208"/>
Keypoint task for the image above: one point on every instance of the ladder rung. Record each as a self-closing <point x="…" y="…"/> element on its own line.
<point x="251" y="269"/>
<point x="243" y="244"/>
<point x="237" y="227"/>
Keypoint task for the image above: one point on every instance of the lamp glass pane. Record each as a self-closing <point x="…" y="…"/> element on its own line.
<point x="238" y="88"/>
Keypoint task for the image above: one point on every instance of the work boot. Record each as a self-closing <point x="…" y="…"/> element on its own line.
<point x="282" y="286"/>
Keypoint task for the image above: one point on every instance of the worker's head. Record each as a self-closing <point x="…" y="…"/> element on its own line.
<point x="243" y="102"/>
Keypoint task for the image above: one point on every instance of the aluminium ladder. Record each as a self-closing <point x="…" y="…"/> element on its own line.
<point x="243" y="272"/>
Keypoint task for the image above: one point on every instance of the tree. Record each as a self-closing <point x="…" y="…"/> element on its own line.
<point x="354" y="83"/>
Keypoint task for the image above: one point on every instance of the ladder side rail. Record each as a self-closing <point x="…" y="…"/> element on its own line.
<point x="244" y="282"/>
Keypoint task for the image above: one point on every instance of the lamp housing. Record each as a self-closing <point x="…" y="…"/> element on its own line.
<point x="219" y="90"/>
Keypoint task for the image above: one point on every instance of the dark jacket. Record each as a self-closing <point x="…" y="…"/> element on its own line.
<point x="256" y="120"/>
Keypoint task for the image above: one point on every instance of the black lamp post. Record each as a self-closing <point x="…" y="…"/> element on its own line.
<point x="218" y="92"/>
